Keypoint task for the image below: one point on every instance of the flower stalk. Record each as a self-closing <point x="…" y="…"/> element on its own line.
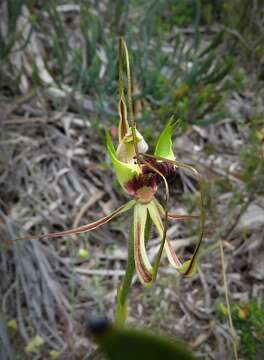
<point x="123" y="291"/>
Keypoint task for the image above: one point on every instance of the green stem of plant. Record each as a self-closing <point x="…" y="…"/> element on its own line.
<point x="158" y="257"/>
<point x="121" y="311"/>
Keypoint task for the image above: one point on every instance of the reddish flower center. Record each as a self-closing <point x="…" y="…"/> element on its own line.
<point x="144" y="186"/>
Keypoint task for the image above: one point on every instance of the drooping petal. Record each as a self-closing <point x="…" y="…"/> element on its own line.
<point x="157" y="221"/>
<point x="84" y="228"/>
<point x="164" y="143"/>
<point x="143" y="266"/>
<point x="189" y="267"/>
<point x="124" y="171"/>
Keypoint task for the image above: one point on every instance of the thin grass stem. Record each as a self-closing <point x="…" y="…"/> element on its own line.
<point x="121" y="310"/>
<point x="231" y="325"/>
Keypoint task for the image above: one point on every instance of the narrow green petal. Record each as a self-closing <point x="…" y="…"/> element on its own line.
<point x="124" y="172"/>
<point x="154" y="211"/>
<point x="143" y="266"/>
<point x="164" y="144"/>
<point x="189" y="267"/>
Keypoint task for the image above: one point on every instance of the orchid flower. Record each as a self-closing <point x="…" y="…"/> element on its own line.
<point x="140" y="174"/>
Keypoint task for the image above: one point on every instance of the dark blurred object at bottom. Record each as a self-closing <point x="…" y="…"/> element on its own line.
<point x="130" y="344"/>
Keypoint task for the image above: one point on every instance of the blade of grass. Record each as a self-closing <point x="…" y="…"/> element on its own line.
<point x="231" y="325"/>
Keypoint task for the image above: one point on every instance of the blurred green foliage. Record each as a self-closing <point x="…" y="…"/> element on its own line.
<point x="176" y="71"/>
<point x="130" y="344"/>
<point x="249" y="323"/>
<point x="8" y="36"/>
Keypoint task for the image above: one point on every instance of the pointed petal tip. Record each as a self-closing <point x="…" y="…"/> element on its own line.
<point x="164" y="143"/>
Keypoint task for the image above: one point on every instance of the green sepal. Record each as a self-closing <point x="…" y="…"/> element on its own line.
<point x="124" y="171"/>
<point x="164" y="143"/>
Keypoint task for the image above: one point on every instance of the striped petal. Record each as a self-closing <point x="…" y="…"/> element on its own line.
<point x="154" y="212"/>
<point x="143" y="266"/>
<point x="189" y="267"/>
<point x="88" y="227"/>
<point x="78" y="230"/>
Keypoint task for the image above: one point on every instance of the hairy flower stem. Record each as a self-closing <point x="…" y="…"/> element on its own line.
<point x="122" y="294"/>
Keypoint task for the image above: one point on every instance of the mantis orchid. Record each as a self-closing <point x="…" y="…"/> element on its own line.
<point x="140" y="175"/>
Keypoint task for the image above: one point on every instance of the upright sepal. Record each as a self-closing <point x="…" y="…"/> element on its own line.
<point x="164" y="143"/>
<point x="123" y="123"/>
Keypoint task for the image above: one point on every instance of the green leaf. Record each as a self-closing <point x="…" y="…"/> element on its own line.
<point x="131" y="344"/>
<point x="164" y="144"/>
<point x="124" y="171"/>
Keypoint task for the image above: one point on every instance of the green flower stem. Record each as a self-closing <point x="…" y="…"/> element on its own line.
<point x="121" y="311"/>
